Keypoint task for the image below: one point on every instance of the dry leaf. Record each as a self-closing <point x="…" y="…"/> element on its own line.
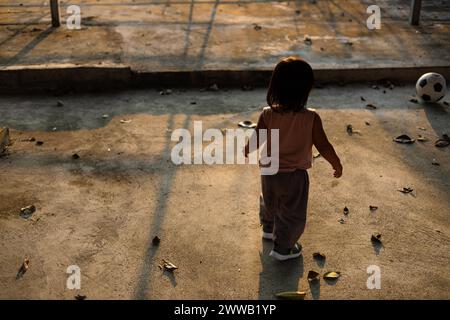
<point x="404" y="139"/>
<point x="376" y="237"/>
<point x="319" y="256"/>
<point x="169" y="266"/>
<point x="313" y="275"/>
<point x="23" y="268"/>
<point x="247" y="124"/>
<point x="332" y="275"/>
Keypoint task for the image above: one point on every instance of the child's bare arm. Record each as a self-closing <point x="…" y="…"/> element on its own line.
<point x="324" y="146"/>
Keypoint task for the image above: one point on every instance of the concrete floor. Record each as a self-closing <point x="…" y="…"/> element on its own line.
<point x="188" y="35"/>
<point x="100" y="212"/>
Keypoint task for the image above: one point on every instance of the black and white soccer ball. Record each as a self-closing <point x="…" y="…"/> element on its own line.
<point x="431" y="87"/>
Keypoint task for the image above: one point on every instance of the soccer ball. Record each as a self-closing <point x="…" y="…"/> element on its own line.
<point x="431" y="87"/>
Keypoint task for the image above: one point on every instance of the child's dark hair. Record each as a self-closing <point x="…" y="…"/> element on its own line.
<point x="290" y="85"/>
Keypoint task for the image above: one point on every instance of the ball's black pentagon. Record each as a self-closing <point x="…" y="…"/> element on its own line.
<point x="439" y="98"/>
<point x="438" y="87"/>
<point x="426" y="97"/>
<point x="423" y="83"/>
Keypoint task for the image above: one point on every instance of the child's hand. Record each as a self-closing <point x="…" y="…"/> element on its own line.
<point x="338" y="171"/>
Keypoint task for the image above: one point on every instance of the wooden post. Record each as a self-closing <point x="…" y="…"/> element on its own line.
<point x="415" y="12"/>
<point x="54" y="8"/>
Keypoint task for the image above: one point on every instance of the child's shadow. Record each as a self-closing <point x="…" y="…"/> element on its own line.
<point x="278" y="276"/>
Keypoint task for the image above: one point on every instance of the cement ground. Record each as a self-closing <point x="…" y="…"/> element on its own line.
<point x="100" y="212"/>
<point x="183" y="35"/>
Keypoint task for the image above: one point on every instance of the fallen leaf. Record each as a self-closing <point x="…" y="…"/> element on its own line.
<point x="319" y="256"/>
<point x="406" y="190"/>
<point x="247" y="124"/>
<point x="27" y="211"/>
<point x="156" y="240"/>
<point x="376" y="237"/>
<point x="291" y="295"/>
<point x="422" y="138"/>
<point x="313" y="275"/>
<point x="443" y="142"/>
<point x="405" y="139"/>
<point x="332" y="275"/>
<point x="435" y="163"/>
<point x="169" y="266"/>
<point x="23" y="268"/>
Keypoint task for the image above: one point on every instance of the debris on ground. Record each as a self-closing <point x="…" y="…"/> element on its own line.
<point x="367" y="123"/>
<point x="362" y="98"/>
<point x="193" y="102"/>
<point x="75" y="156"/>
<point x="373" y="208"/>
<point x="371" y="106"/>
<point x="213" y="87"/>
<point x="406" y="190"/>
<point x="291" y="295"/>
<point x="319" y="256"/>
<point x="59" y="103"/>
<point x="80" y="297"/>
<point x="39" y="143"/>
<point x="443" y="142"/>
<point x="307" y="40"/>
<point x="346" y="211"/>
<point x="27" y="211"/>
<point x="341" y="221"/>
<point x="23" y="268"/>
<point x="257" y="27"/>
<point x="405" y="139"/>
<point x="156" y="240"/>
<point x="351" y="130"/>
<point x="332" y="275"/>
<point x="165" y="92"/>
<point x="313" y="276"/>
<point x="168" y="266"/>
<point x="4" y="140"/>
<point x="247" y="124"/>
<point x="422" y="138"/>
<point x="435" y="163"/>
<point x="125" y="121"/>
<point x="376" y="238"/>
<point x="413" y="100"/>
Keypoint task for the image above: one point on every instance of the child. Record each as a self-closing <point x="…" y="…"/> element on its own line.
<point x="284" y="198"/>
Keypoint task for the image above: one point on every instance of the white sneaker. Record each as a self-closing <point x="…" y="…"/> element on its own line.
<point x="267" y="235"/>
<point x="295" y="253"/>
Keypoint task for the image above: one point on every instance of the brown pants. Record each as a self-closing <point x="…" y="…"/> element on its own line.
<point x="283" y="206"/>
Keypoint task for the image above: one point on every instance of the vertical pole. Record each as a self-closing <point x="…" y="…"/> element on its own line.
<point x="415" y="12"/>
<point x="54" y="8"/>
